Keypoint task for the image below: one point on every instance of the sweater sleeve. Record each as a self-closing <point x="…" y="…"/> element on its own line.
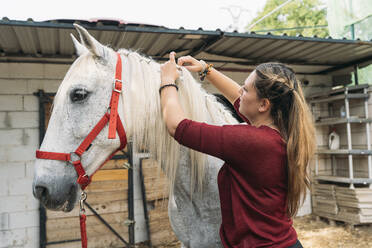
<point x="201" y="137"/>
<point x="230" y="142"/>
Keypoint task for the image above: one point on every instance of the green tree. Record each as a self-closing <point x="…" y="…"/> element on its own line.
<point x="294" y="18"/>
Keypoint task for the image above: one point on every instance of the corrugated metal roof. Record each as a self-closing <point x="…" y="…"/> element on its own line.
<point x="50" y="42"/>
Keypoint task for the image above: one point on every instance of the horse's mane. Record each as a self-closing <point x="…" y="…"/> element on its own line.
<point x="147" y="126"/>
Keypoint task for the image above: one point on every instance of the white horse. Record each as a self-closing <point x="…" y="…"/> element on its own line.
<point x="83" y="98"/>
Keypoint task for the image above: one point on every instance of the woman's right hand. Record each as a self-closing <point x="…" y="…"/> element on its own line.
<point x="190" y="63"/>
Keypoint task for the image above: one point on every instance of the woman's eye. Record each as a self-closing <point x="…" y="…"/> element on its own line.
<point x="78" y="95"/>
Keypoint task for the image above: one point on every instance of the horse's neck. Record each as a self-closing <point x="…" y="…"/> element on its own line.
<point x="148" y="129"/>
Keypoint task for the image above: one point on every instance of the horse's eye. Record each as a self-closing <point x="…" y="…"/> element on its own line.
<point x="78" y="95"/>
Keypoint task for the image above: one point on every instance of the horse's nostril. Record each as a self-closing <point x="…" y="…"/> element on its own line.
<point x="40" y="192"/>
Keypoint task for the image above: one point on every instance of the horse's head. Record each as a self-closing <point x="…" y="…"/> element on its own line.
<point x="81" y="101"/>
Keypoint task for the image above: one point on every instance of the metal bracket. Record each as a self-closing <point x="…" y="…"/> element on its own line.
<point x="127" y="165"/>
<point x="129" y="222"/>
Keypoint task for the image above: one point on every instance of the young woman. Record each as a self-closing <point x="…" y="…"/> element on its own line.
<point x="265" y="170"/>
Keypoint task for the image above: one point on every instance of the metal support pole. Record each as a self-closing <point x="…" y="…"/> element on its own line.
<point x="356" y="75"/>
<point x="368" y="134"/>
<point x="42" y="211"/>
<point x="144" y="201"/>
<point x="130" y="196"/>
<point x="349" y="145"/>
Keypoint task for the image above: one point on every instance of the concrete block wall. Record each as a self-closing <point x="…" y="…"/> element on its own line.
<point x="19" y="138"/>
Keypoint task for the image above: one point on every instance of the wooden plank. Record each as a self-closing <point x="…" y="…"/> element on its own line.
<point x="100" y="208"/>
<point x="343" y="179"/>
<point x="106" y="240"/>
<point x="92" y="231"/>
<point x="160" y="228"/>
<point x="107" y="197"/>
<point x="110" y="175"/>
<point x="114" y="164"/>
<point x="73" y="222"/>
<point x="104" y="186"/>
<point x="163" y="238"/>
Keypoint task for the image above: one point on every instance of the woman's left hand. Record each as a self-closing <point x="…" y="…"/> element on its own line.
<point x="168" y="70"/>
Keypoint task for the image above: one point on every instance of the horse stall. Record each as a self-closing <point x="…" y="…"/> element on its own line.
<point x="127" y="200"/>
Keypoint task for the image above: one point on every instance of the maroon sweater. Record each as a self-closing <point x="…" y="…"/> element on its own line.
<point x="252" y="183"/>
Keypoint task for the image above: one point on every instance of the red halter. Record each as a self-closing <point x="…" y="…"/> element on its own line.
<point x="115" y="124"/>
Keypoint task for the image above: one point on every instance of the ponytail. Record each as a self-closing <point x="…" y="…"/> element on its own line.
<point x="300" y="149"/>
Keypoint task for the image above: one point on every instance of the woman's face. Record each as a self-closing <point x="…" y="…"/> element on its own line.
<point x="249" y="101"/>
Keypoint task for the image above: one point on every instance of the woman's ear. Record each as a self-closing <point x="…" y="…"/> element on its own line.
<point x="265" y="105"/>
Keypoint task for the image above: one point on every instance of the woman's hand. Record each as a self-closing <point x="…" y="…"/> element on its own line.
<point x="168" y="70"/>
<point x="172" y="111"/>
<point x="190" y="63"/>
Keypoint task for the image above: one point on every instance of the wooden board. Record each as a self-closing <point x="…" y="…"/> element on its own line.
<point x="104" y="240"/>
<point x="104" y="186"/>
<point x="114" y="164"/>
<point x="110" y="175"/>
<point x="160" y="228"/>
<point x="100" y="208"/>
<point x="73" y="222"/>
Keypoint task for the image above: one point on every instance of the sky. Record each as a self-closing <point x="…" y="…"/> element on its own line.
<point x="191" y="14"/>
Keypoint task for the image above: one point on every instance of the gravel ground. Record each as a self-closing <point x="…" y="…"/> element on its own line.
<point x="319" y="234"/>
<point x="315" y="233"/>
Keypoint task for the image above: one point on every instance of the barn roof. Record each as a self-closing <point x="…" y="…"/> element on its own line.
<point x="50" y="42"/>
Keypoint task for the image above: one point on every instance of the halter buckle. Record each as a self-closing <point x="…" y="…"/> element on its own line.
<point x="74" y="157"/>
<point x="114" y="88"/>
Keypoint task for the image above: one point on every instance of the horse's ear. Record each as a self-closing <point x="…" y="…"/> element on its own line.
<point x="89" y="42"/>
<point x="80" y="49"/>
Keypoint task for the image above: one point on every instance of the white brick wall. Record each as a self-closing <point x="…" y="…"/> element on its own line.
<point x="19" y="138"/>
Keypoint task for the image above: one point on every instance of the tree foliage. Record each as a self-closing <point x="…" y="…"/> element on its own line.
<point x="298" y="13"/>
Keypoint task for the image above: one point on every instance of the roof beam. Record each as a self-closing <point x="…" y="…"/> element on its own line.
<point x="208" y="43"/>
<point x="343" y="66"/>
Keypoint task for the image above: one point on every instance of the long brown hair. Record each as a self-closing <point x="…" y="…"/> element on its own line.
<point x="289" y="110"/>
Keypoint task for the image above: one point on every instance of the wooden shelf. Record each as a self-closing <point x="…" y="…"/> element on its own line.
<point x="344" y="151"/>
<point x="350" y="89"/>
<point x="334" y="121"/>
<point x="339" y="97"/>
<point x="344" y="179"/>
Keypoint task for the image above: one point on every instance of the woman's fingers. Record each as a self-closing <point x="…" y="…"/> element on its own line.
<point x="168" y="70"/>
<point x="190" y="63"/>
<point x="172" y="56"/>
<point x="186" y="60"/>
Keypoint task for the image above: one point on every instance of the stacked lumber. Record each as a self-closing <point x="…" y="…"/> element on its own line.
<point x="355" y="205"/>
<point x="352" y="206"/>
<point x="324" y="200"/>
